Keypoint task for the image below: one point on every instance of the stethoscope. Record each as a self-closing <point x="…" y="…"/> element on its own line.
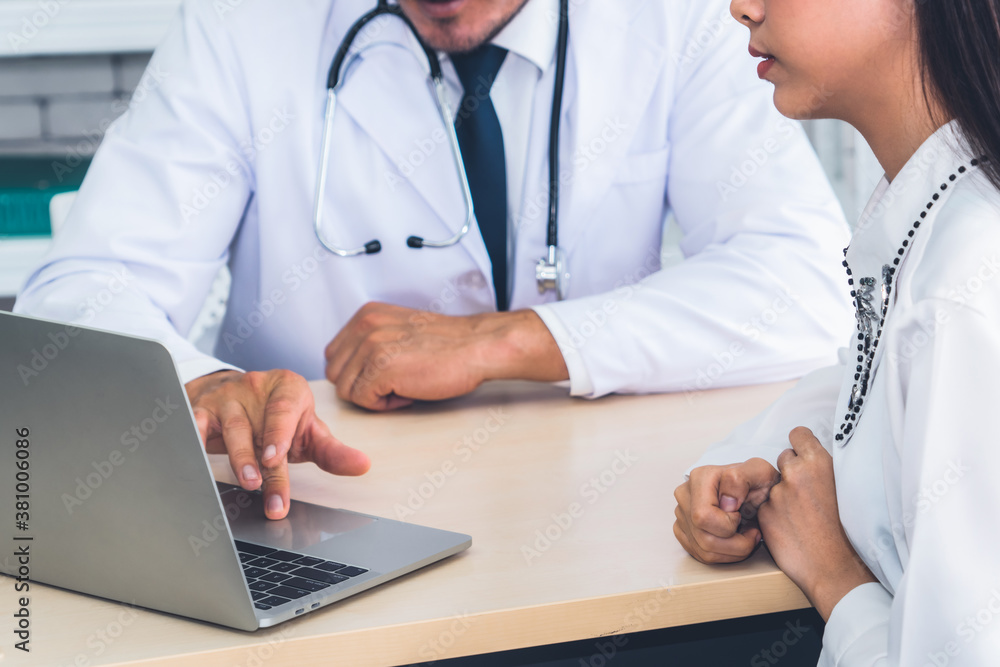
<point x="550" y="272"/>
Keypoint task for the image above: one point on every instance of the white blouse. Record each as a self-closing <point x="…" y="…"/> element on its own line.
<point x="917" y="463"/>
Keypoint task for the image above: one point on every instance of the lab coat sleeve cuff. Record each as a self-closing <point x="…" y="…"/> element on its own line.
<point x="857" y="632"/>
<point x="192" y="369"/>
<point x="580" y="382"/>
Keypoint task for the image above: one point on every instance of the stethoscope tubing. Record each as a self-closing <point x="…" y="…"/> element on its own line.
<point x="335" y="81"/>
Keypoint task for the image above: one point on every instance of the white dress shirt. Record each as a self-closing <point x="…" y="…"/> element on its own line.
<point x="216" y="165"/>
<point x="530" y="39"/>
<point x="917" y="476"/>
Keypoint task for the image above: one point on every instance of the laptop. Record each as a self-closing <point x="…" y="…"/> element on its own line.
<point x="100" y="448"/>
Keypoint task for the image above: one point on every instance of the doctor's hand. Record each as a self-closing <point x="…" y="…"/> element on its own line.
<point x="265" y="421"/>
<point x="717" y="508"/>
<point x="387" y="356"/>
<point x="801" y="525"/>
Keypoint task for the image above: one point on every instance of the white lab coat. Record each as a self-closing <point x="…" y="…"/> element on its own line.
<point x="917" y="480"/>
<point x="216" y="163"/>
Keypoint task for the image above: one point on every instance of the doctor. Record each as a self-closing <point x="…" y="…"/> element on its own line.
<point x="218" y="165"/>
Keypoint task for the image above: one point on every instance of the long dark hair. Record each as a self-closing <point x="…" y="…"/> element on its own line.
<point x="960" y="56"/>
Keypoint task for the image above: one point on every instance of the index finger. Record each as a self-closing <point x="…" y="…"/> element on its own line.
<point x="804" y="442"/>
<point x="785" y="458"/>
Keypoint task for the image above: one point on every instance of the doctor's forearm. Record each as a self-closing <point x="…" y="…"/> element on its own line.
<point x="522" y="348"/>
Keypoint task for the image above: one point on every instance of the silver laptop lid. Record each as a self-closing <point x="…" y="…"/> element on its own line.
<point x="122" y="501"/>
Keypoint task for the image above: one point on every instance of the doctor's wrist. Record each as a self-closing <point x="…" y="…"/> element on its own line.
<point x="520" y="347"/>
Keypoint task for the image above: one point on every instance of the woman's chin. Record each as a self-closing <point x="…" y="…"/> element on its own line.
<point x="799" y="106"/>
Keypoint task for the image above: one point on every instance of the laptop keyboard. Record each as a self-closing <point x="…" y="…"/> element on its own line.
<point x="277" y="577"/>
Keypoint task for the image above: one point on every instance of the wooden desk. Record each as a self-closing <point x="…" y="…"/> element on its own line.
<point x="570" y="506"/>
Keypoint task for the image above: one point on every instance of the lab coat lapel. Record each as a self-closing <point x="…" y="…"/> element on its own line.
<point x="614" y="71"/>
<point x="389" y="97"/>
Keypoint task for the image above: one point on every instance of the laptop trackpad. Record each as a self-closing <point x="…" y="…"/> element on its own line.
<point x="305" y="526"/>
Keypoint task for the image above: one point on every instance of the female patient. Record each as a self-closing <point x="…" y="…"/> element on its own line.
<point x="885" y="509"/>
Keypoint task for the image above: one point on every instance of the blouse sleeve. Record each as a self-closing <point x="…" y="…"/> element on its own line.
<point x="811" y="403"/>
<point x="942" y="375"/>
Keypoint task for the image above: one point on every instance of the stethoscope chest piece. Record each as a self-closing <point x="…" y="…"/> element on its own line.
<point x="552" y="273"/>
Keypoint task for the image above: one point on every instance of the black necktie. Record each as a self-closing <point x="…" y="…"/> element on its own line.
<point x="481" y="141"/>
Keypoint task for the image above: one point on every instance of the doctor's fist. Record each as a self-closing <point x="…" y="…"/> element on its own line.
<point x="717" y="508"/>
<point x="265" y="421"/>
<point x="387" y="356"/>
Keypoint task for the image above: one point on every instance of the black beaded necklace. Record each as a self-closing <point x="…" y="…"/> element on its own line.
<point x="870" y="322"/>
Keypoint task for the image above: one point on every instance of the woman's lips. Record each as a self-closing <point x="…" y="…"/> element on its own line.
<point x="764" y="67"/>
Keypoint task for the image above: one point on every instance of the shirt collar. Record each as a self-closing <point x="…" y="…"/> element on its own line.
<point x="533" y="33"/>
<point x="895" y="206"/>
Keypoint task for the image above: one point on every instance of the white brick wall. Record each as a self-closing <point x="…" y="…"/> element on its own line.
<point x="57" y="76"/>
<point x="20" y="121"/>
<point x="50" y="105"/>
